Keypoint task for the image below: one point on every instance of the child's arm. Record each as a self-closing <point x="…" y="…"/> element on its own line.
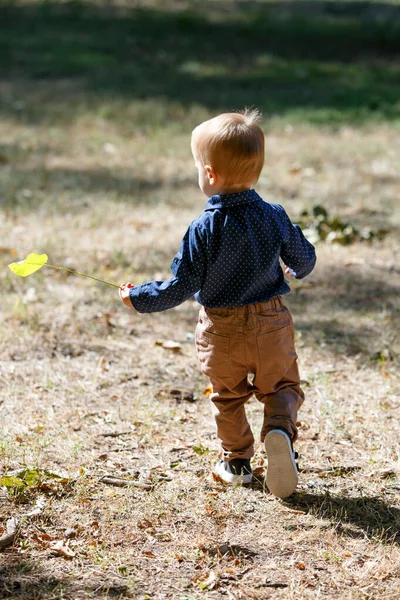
<point x="187" y="268"/>
<point x="296" y="251"/>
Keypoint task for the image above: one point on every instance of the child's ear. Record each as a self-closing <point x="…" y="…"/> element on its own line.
<point x="211" y="174"/>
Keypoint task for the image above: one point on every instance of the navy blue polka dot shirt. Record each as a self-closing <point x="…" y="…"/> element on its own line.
<point x="229" y="256"/>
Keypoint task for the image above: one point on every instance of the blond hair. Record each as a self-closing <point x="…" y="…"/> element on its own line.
<point x="233" y="145"/>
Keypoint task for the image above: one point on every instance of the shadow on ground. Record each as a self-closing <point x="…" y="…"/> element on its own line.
<point x="85" y="186"/>
<point x="22" y="578"/>
<point x="358" y="516"/>
<point x="334" y="61"/>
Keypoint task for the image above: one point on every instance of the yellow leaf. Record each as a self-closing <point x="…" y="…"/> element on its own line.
<point x="26" y="267"/>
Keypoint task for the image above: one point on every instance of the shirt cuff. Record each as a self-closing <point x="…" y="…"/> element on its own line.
<point x="134" y="297"/>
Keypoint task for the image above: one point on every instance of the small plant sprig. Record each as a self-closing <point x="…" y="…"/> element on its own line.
<point x="34" y="262"/>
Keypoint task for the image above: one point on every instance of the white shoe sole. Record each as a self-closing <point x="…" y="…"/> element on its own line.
<point x="282" y="475"/>
<point x="230" y="477"/>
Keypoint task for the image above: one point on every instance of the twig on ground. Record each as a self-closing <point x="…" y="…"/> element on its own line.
<point x="114" y="434"/>
<point x="118" y="482"/>
<point x="12" y="530"/>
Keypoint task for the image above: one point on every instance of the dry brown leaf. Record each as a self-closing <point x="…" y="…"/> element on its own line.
<point x="217" y="478"/>
<point x="295" y="169"/>
<point x="40" y="538"/>
<point x="388" y="472"/>
<point x="139" y="225"/>
<point x="353" y="261"/>
<point x="70" y="533"/>
<point x="62" y="549"/>
<point x="208" y="390"/>
<point x="169" y="345"/>
<point x="45" y="536"/>
<point x="259" y="471"/>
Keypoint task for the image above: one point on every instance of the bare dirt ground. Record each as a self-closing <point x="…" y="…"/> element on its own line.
<point x="89" y="391"/>
<point x="100" y="396"/>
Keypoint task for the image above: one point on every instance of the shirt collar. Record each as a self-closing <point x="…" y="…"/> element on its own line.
<point x="228" y="200"/>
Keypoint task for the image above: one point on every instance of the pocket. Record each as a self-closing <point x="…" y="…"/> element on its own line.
<point x="213" y="353"/>
<point x="272" y="318"/>
<point x="276" y="350"/>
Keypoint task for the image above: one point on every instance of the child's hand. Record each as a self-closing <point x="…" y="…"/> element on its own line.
<point x="124" y="294"/>
<point x="290" y="272"/>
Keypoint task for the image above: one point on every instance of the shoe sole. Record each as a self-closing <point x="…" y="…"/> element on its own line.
<point x="225" y="477"/>
<point x="282" y="478"/>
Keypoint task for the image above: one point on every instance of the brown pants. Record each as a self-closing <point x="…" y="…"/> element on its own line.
<point x="236" y="341"/>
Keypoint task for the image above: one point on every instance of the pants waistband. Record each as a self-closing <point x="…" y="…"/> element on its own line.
<point x="271" y="304"/>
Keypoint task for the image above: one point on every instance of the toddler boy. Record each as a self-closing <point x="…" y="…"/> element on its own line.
<point x="229" y="259"/>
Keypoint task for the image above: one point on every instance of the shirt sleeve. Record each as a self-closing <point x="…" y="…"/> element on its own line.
<point x="296" y="251"/>
<point x="188" y="268"/>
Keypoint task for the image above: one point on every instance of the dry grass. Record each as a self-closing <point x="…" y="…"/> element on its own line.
<point x="86" y="391"/>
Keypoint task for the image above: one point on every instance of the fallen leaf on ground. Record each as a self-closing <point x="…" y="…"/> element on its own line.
<point x="70" y="533"/>
<point x="216" y="477"/>
<point x="10" y="251"/>
<point x="42" y="538"/>
<point x="259" y="471"/>
<point x="383" y="473"/>
<point x="295" y="169"/>
<point x="169" y="345"/>
<point x="62" y="549"/>
<point x="353" y="261"/>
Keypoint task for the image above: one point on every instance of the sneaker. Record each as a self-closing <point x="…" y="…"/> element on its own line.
<point x="282" y="475"/>
<point x="237" y="470"/>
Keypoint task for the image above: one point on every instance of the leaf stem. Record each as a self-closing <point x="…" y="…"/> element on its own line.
<point x="83" y="274"/>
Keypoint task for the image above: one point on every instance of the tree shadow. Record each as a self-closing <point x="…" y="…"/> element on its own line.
<point x="123" y="184"/>
<point x="334" y="60"/>
<point x="361" y="516"/>
<point x="331" y="312"/>
<point x="23" y="578"/>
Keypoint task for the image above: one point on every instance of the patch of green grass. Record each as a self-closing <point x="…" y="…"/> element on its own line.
<point x="323" y="62"/>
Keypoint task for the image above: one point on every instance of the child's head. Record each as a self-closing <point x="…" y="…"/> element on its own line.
<point x="229" y="152"/>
